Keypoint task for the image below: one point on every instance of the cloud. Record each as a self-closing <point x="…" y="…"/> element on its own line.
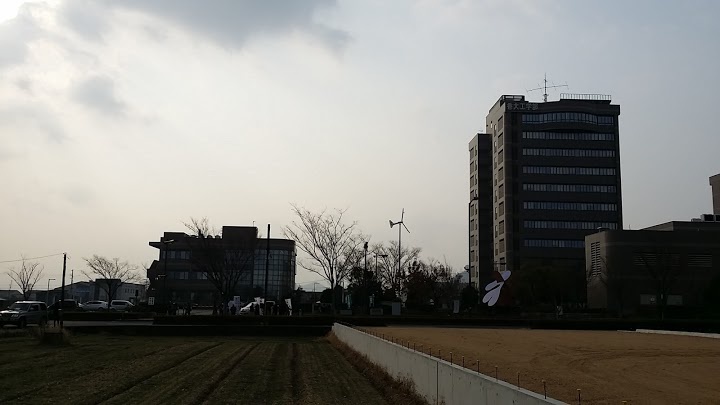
<point x="22" y="120"/>
<point x="87" y="18"/>
<point x="15" y="34"/>
<point x="232" y="23"/>
<point x="99" y="93"/>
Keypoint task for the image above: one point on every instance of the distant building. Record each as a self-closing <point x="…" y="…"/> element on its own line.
<point x="11" y="295"/>
<point x="542" y="177"/>
<point x="83" y="291"/>
<point x="674" y="261"/>
<point x="715" y="185"/>
<point x="183" y="280"/>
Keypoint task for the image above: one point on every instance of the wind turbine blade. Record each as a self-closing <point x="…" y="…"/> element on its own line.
<point x="402" y="216"/>
<point x="391" y="223"/>
<point x="403" y="223"/>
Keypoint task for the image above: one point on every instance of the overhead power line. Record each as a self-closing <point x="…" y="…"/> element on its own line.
<point x="30" y="258"/>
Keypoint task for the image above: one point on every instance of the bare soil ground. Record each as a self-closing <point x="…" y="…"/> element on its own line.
<point x="608" y="367"/>
<point x="188" y="370"/>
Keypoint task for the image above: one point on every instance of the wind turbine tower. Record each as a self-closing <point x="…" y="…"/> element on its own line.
<point x="400" y="222"/>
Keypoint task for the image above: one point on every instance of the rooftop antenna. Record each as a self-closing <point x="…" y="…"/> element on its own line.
<point x="400" y="222"/>
<point x="545" y="87"/>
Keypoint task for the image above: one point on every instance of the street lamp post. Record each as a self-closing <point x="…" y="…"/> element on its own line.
<point x="47" y="294"/>
<point x="312" y="310"/>
<point x="367" y="293"/>
<point x="165" y="294"/>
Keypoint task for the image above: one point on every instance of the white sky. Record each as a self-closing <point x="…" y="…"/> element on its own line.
<point x="120" y="120"/>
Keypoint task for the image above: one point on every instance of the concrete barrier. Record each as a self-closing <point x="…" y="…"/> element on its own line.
<point x="437" y="380"/>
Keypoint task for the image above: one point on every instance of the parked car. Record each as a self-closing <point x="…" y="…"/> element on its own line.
<point x="68" y="306"/>
<point x="23" y="313"/>
<point x="249" y="309"/>
<point x="120" y="305"/>
<point x="94" y="306"/>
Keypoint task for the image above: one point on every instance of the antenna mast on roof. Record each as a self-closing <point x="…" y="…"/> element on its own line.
<point x="545" y="87"/>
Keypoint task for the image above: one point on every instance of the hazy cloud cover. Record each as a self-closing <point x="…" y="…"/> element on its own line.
<point x="121" y="119"/>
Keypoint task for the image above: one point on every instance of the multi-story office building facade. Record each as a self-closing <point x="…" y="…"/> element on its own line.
<point x="555" y="178"/>
<point x="178" y="276"/>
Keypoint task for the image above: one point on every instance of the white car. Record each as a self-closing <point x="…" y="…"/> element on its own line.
<point x="94" y="306"/>
<point x="120" y="305"/>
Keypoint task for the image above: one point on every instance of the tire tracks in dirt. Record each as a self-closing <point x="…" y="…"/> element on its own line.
<point x="294" y="375"/>
<point x="44" y="387"/>
<point x="225" y="373"/>
<point x="110" y="396"/>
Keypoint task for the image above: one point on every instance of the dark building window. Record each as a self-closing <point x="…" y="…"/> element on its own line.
<point x="532" y="224"/>
<point x="563" y="170"/>
<point x="569" y="136"/>
<point x="568" y="206"/>
<point x="554" y="243"/>
<point x="542" y="118"/>
<point x="595" y="153"/>
<point x="569" y="188"/>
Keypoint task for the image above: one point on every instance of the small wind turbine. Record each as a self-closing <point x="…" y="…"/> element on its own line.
<point x="400" y="222"/>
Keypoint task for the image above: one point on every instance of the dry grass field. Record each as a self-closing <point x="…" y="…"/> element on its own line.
<point x="608" y="367"/>
<point x="181" y="370"/>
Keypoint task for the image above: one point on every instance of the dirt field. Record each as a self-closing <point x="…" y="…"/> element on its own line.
<point x="148" y="370"/>
<point x="608" y="367"/>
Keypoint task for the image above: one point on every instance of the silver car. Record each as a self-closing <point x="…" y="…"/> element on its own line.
<point x="23" y="313"/>
<point x="94" y="306"/>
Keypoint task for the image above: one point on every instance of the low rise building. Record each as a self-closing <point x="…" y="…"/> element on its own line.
<point x="670" y="265"/>
<point x="188" y="267"/>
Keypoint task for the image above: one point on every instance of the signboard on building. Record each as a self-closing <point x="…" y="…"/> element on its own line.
<point x="521" y="106"/>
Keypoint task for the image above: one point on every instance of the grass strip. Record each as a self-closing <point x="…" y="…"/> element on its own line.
<point x="326" y="377"/>
<point x="395" y="391"/>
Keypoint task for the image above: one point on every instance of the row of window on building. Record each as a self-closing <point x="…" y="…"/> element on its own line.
<point x="543" y="118"/>
<point x="569" y="188"/>
<point x="534" y="224"/>
<point x="564" y="170"/>
<point x="175" y="254"/>
<point x="594" y="153"/>
<point x="554" y="243"/>
<point x="187" y="275"/>
<point x="568" y="206"/>
<point x="568" y="136"/>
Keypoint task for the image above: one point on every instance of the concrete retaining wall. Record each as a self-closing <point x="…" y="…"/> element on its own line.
<point x="437" y="380"/>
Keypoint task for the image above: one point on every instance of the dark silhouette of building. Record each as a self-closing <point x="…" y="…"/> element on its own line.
<point x="184" y="280"/>
<point x="670" y="264"/>
<point x="715" y="185"/>
<point x="551" y="173"/>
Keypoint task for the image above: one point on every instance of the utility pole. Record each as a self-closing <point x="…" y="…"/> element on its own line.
<point x="267" y="270"/>
<point x="367" y="292"/>
<point x="62" y="291"/>
<point x="72" y="281"/>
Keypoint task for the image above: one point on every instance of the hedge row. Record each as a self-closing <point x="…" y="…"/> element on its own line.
<point x="207" y="330"/>
<point x="707" y="326"/>
<point x="104" y="316"/>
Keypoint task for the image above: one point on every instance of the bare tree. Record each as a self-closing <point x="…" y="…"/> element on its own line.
<point x="26" y="277"/>
<point x="225" y="264"/>
<point x="110" y="274"/>
<point x="393" y="272"/>
<point x="333" y="246"/>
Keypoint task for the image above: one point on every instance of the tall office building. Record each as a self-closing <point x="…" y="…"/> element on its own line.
<point x="554" y="170"/>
